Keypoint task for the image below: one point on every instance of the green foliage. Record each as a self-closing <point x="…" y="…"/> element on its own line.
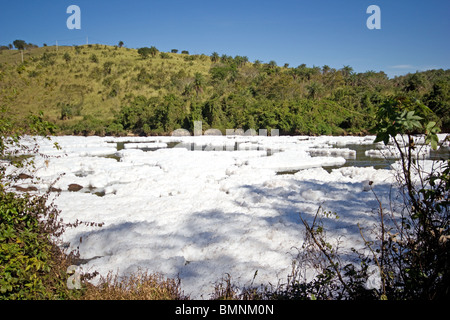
<point x="146" y="51"/>
<point x="31" y="264"/>
<point x="90" y="125"/>
<point x="221" y="90"/>
<point x="47" y="59"/>
<point x="26" y="254"/>
<point x="107" y="67"/>
<point x="438" y="100"/>
<point x="164" y="55"/>
<point x="411" y="250"/>
<point x="19" y="44"/>
<point x="68" y="111"/>
<point x="404" y="116"/>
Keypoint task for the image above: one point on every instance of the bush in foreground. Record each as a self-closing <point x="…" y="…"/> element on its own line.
<point x="33" y="263"/>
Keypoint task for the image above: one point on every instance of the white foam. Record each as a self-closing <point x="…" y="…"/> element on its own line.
<point x="202" y="214"/>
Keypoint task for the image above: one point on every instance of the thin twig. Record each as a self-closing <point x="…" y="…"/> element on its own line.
<point x="322" y="249"/>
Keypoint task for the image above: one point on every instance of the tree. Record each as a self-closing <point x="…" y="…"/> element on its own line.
<point x="347" y="71"/>
<point x="215" y="57"/>
<point x="199" y="82"/>
<point x="257" y="63"/>
<point x="121" y="44"/>
<point x="153" y="51"/>
<point x="325" y="69"/>
<point x="144" y="52"/>
<point x="439" y="101"/>
<point x="240" y="61"/>
<point x="415" y="82"/>
<point x="174" y="50"/>
<point x="20" y="44"/>
<point x="314" y="89"/>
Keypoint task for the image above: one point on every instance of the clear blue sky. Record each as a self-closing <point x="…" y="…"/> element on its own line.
<point x="414" y="34"/>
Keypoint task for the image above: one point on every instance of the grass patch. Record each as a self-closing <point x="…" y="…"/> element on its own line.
<point x="141" y="285"/>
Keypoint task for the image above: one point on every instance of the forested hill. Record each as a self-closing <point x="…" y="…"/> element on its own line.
<point x="99" y="89"/>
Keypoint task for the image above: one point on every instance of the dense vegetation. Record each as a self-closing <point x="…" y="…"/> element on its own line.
<point x="104" y="90"/>
<point x="34" y="264"/>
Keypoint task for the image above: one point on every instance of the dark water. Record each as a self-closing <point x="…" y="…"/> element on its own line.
<point x="361" y="160"/>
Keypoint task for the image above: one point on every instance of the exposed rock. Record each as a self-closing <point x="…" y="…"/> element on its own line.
<point x="28" y="189"/>
<point x="74" y="187"/>
<point x="24" y="176"/>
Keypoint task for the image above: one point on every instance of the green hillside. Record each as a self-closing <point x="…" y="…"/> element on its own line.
<point x="99" y="89"/>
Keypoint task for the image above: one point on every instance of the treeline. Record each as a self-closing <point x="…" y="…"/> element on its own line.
<point x="301" y="100"/>
<point x="155" y="92"/>
<point x="20" y="45"/>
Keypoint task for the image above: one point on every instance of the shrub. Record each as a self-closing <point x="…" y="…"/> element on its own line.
<point x="68" y="111"/>
<point x="115" y="129"/>
<point x="89" y="126"/>
<point x="32" y="263"/>
<point x="67" y="57"/>
<point x="165" y="55"/>
<point x="411" y="253"/>
<point x="93" y="58"/>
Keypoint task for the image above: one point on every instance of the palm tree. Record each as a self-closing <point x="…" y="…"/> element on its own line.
<point x="314" y="89"/>
<point x="20" y="44"/>
<point x="215" y="57"/>
<point x="199" y="82"/>
<point x="240" y="61"/>
<point x="347" y="71"/>
<point x="244" y="60"/>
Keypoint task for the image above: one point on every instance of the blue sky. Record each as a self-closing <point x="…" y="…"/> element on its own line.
<point x="414" y="34"/>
